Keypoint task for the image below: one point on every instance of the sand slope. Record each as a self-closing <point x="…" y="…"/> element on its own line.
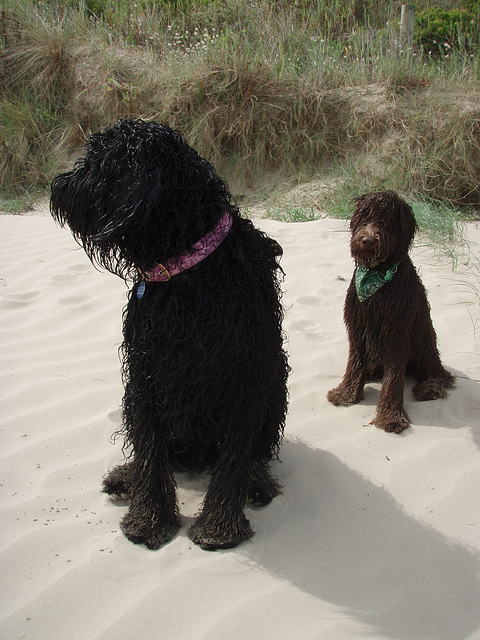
<point x="375" y="536"/>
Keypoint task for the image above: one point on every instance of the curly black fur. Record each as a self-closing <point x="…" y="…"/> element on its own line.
<point x="391" y="332"/>
<point x="204" y="367"/>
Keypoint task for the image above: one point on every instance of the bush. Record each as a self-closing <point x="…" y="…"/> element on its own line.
<point x="438" y="30"/>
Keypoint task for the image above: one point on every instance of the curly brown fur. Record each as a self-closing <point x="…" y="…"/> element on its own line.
<point x="390" y="332"/>
<point x="204" y="368"/>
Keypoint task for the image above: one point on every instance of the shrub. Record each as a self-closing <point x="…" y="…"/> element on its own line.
<point x="438" y="30"/>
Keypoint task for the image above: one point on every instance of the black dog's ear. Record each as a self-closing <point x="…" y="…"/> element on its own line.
<point x="71" y="199"/>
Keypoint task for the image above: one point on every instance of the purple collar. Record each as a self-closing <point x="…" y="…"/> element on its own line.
<point x="199" y="251"/>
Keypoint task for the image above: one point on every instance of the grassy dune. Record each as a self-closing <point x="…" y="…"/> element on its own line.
<point x="275" y="94"/>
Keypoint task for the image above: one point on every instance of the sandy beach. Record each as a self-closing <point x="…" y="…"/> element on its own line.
<point x="376" y="535"/>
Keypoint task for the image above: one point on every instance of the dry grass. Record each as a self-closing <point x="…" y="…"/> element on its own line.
<point x="256" y="90"/>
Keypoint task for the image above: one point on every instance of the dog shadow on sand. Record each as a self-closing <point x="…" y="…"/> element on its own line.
<point x="338" y="537"/>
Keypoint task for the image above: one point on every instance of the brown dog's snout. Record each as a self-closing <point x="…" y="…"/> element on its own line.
<point x="367" y="238"/>
<point x="368" y="242"/>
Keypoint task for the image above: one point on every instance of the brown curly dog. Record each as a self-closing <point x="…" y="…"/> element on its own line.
<point x="387" y="314"/>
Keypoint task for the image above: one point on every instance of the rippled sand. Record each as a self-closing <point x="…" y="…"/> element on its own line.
<point x="375" y="535"/>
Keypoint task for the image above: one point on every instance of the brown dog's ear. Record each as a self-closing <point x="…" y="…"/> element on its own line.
<point x="365" y="207"/>
<point x="360" y="200"/>
<point x="404" y="218"/>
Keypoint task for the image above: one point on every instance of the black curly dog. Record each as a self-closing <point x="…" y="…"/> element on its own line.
<point x="204" y="367"/>
<point x="387" y="314"/>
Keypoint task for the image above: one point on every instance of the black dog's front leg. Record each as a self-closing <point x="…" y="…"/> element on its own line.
<point x="222" y="523"/>
<point x="152" y="517"/>
<point x="147" y="479"/>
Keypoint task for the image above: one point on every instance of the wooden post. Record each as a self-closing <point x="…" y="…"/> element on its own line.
<point x="407" y="24"/>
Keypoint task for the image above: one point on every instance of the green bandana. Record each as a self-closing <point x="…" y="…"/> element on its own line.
<point x="368" y="281"/>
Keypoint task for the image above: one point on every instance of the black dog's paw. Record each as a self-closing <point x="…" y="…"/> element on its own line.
<point x="118" y="482"/>
<point x="142" y="528"/>
<point x="260" y="495"/>
<point x="223" y="535"/>
<point x="263" y="488"/>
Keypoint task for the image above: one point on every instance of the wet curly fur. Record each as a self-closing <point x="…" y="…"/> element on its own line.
<point x="204" y="368"/>
<point x="391" y="332"/>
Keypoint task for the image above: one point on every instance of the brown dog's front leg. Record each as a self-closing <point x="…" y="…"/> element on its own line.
<point x="390" y="415"/>
<point x="350" y="390"/>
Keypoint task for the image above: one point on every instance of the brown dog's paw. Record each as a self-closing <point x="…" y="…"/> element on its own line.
<point x="343" y="397"/>
<point x="392" y="423"/>
<point x="434" y="388"/>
